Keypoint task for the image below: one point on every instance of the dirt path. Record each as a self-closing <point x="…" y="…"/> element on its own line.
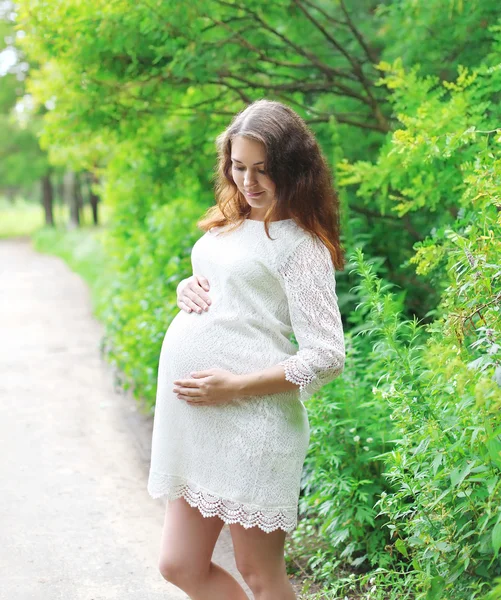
<point x="76" y="521"/>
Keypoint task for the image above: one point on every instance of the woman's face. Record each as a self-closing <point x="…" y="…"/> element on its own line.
<point x="248" y="172"/>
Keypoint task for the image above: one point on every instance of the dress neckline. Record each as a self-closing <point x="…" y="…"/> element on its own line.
<point x="271" y="222"/>
<point x="254" y="224"/>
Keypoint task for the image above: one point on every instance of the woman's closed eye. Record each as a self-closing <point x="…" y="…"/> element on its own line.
<point x="242" y="168"/>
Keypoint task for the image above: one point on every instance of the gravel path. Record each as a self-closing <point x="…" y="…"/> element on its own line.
<point x="76" y="520"/>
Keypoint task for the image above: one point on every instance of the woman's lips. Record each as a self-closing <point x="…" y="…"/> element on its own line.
<point x="253" y="195"/>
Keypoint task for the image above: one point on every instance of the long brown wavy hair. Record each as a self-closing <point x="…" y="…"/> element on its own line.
<point x="294" y="161"/>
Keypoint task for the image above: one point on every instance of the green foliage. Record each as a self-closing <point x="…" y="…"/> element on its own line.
<point x="82" y="249"/>
<point x="439" y="35"/>
<point x="21" y="161"/>
<point x="401" y="487"/>
<point x="20" y="217"/>
<point x="148" y="263"/>
<point x="342" y="474"/>
<point x="440" y="382"/>
<point x="444" y="513"/>
<point x="495" y="593"/>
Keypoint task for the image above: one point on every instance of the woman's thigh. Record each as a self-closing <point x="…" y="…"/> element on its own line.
<point x="187" y="542"/>
<point x="259" y="555"/>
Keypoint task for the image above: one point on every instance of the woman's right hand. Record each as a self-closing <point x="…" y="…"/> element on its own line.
<point x="192" y="294"/>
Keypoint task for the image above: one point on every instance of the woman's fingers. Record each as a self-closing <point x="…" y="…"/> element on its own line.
<point x="183" y="306"/>
<point x="203" y="282"/>
<point x="192" y="296"/>
<point x="201" y="289"/>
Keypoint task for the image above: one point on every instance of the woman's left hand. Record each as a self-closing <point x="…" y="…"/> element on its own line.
<point x="209" y="387"/>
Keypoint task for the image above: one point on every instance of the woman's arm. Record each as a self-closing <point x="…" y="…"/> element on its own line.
<point x="309" y="282"/>
<point x="268" y="381"/>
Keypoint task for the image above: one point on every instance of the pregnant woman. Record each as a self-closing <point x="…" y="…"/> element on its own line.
<point x="231" y="429"/>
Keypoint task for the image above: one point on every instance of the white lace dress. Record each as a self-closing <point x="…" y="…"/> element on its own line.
<point x="242" y="461"/>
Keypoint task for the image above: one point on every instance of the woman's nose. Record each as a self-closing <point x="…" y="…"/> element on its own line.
<point x="249" y="179"/>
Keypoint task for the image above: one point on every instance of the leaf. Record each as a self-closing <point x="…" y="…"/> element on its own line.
<point x="496" y="537"/>
<point x="400" y="546"/>
<point x="437" y="461"/>
<point x="459" y="474"/>
<point x="437" y="584"/>
<point x="494" y="449"/>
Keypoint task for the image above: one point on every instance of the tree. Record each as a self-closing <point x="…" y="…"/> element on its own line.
<point x="22" y="163"/>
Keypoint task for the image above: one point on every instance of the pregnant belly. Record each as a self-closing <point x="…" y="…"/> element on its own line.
<point x="194" y="342"/>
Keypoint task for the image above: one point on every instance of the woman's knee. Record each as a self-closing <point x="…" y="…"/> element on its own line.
<point x="171" y="570"/>
<point x="258" y="576"/>
<point x="250" y="575"/>
<point x="259" y="557"/>
<point x="187" y="544"/>
<point x="180" y="573"/>
<point x="244" y="567"/>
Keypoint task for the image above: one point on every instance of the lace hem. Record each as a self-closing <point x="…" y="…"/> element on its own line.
<point x="211" y="505"/>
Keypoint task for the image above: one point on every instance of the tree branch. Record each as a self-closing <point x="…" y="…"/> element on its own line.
<point x="226" y="21"/>
<point x="358" y="36"/>
<point x="353" y="61"/>
<point x="406" y="220"/>
<point x="301" y="86"/>
<point x="325" y="117"/>
<point x="355" y="64"/>
<point x="328" y="17"/>
<point x="328" y="70"/>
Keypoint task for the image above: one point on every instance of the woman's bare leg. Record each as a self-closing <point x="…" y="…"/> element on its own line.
<point x="260" y="560"/>
<point x="186" y="547"/>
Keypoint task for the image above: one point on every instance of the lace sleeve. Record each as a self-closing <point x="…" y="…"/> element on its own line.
<point x="309" y="280"/>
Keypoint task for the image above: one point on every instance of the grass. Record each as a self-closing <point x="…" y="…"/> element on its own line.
<point x="23" y="218"/>
<point x="82" y="250"/>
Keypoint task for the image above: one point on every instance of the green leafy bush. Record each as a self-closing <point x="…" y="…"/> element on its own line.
<point x="439" y="496"/>
<point x="148" y="262"/>
<point x="401" y="483"/>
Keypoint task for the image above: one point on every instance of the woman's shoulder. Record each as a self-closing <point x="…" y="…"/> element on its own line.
<point x="285" y="237"/>
<point x="286" y="232"/>
<point x="293" y="237"/>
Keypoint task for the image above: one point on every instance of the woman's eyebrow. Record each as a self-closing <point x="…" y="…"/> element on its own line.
<point x="236" y="160"/>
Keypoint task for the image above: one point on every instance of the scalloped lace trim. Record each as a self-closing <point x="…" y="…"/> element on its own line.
<point x="211" y="505"/>
<point x="299" y="373"/>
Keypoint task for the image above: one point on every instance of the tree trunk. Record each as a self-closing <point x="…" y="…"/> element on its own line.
<point x="10" y="193"/>
<point x="78" y="195"/>
<point x="71" y="199"/>
<point x="60" y="190"/>
<point x="93" y="198"/>
<point x="48" y="199"/>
